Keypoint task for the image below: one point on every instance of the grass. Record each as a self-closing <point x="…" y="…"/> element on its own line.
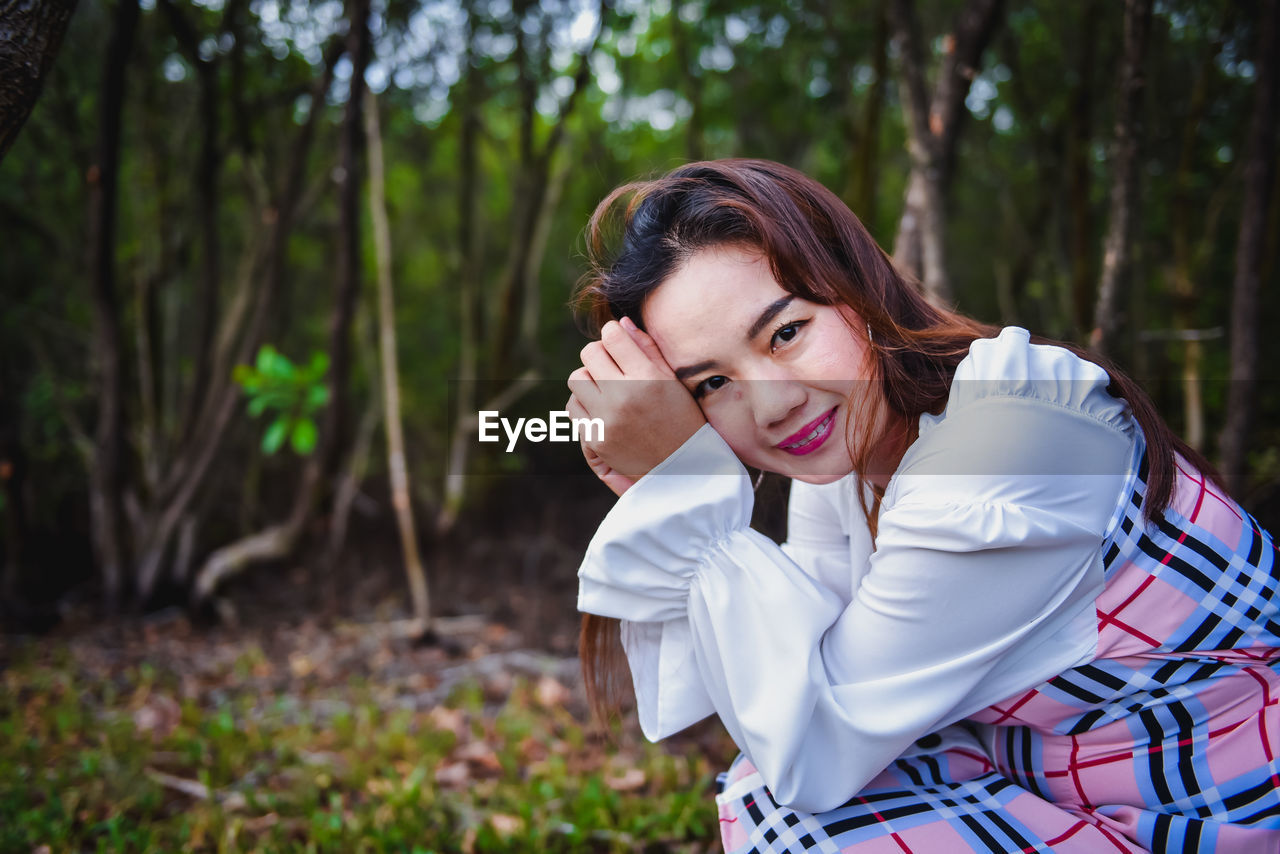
<point x="125" y="762"/>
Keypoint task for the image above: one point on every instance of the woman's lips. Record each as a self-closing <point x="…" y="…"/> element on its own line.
<point x="810" y="437"/>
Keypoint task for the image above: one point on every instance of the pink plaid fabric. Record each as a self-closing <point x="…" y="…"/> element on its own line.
<point x="1165" y="742"/>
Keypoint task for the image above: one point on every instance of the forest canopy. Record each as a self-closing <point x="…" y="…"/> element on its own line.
<point x="217" y="212"/>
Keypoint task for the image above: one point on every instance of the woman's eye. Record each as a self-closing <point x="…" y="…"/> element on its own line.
<point x="708" y="385"/>
<point x="785" y="334"/>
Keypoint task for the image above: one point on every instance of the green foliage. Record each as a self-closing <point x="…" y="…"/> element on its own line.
<point x="293" y="394"/>
<point x="90" y="765"/>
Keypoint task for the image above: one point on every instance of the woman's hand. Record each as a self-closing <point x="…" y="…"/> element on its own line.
<point x="646" y="418"/>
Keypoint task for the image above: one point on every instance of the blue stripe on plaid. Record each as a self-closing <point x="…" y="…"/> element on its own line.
<point x="977" y="809"/>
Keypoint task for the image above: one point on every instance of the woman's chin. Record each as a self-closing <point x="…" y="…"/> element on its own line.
<point x="819" y="479"/>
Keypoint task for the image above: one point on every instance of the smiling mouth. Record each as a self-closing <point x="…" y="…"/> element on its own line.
<point x="811" y="436"/>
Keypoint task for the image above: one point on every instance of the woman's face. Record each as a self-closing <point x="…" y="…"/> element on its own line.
<point x="774" y="374"/>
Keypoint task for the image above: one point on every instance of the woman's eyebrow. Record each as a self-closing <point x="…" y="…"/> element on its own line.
<point x="775" y="308"/>
<point x="683" y="374"/>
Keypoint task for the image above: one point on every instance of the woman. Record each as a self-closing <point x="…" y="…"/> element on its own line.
<point x="1013" y="612"/>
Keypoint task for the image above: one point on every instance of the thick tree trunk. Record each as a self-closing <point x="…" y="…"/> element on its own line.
<point x="399" y="470"/>
<point x="31" y="32"/>
<point x="933" y="128"/>
<point x="108" y="457"/>
<point x="1123" y="208"/>
<point x="1260" y="177"/>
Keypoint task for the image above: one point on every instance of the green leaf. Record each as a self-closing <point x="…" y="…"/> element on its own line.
<point x="319" y="365"/>
<point x="244" y="375"/>
<point x="276" y="435"/>
<point x="257" y="406"/>
<point x="317" y="396"/>
<point x="304" y="436"/>
<point x="266" y="353"/>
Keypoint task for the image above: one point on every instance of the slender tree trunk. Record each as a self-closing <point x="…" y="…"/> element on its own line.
<point x="933" y="128"/>
<point x="243" y="326"/>
<point x="207" y="171"/>
<point x="1123" y="208"/>
<point x="860" y="194"/>
<point x="1260" y="168"/>
<point x="108" y="458"/>
<point x="468" y="287"/>
<point x="31" y="33"/>
<point x="399" y="470"/>
<point x="280" y="539"/>
<point x="682" y="35"/>
<point x="1188" y="254"/>
<point x="1079" y="139"/>
<point x="537" y="192"/>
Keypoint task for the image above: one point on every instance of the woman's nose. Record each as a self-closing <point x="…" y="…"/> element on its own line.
<point x="774" y="400"/>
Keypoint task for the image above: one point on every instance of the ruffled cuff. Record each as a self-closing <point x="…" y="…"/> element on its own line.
<point x="670" y="693"/>
<point x="639" y="563"/>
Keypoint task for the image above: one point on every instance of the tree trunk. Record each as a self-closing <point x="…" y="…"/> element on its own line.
<point x="933" y="128"/>
<point x="1123" y="209"/>
<point x="207" y="169"/>
<point x="468" y="297"/>
<point x="31" y="32"/>
<point x="279" y="540"/>
<point x="108" y="457"/>
<point x="399" y="471"/>
<point x="1189" y="253"/>
<point x="1079" y="139"/>
<point x="860" y="188"/>
<point x="243" y="326"/>
<point x="1260" y="167"/>
<point x="538" y="187"/>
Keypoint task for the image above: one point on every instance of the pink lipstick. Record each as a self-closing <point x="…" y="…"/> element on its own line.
<point x="811" y="436"/>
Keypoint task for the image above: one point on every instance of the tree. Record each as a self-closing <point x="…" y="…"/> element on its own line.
<point x="31" y="33"/>
<point x="1118" y="246"/>
<point x="1260" y="177"/>
<point x="106" y="486"/>
<point x="933" y="127"/>
<point x="279" y="539"/>
<point x="400" y="496"/>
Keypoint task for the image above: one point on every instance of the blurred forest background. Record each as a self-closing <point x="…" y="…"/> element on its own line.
<point x="262" y="259"/>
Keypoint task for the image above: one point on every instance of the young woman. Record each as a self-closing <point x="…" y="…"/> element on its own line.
<point x="1013" y="612"/>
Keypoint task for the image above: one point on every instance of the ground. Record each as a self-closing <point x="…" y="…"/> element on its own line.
<point x="292" y="724"/>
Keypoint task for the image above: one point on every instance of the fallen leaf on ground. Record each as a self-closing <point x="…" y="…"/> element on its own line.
<point x="453" y="775"/>
<point x="630" y="780"/>
<point x="505" y="824"/>
<point x="550" y="692"/>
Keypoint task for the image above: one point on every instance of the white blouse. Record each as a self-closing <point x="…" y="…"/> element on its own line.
<point x="826" y="659"/>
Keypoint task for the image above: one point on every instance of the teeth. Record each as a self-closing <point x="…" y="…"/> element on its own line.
<point x="807" y="439"/>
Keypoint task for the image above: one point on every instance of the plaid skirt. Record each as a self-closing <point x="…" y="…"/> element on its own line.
<point x="1166" y="742"/>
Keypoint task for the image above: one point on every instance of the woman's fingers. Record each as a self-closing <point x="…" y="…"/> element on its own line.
<point x="583" y="386"/>
<point x="626" y="352"/>
<point x="597" y="359"/>
<point x="646" y="344"/>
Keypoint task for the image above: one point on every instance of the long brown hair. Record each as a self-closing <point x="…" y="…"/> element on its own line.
<point x="818" y="250"/>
